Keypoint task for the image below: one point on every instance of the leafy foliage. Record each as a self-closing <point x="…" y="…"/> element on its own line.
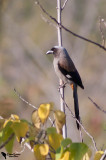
<point x="46" y="143"/>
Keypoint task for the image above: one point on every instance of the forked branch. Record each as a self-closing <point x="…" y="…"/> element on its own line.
<point x="64" y="4"/>
<point x="66" y="29"/>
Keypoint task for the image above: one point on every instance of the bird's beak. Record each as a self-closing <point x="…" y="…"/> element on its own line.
<point x="49" y="52"/>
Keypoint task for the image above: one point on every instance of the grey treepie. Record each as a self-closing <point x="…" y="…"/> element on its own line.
<point x="67" y="72"/>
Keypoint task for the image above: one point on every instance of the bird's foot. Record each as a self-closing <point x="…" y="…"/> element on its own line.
<point x="62" y="86"/>
<point x="72" y="86"/>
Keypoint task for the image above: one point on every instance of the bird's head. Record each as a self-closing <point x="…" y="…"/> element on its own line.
<point x="55" y="50"/>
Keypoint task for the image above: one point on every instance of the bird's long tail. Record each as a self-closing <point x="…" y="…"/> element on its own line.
<point x="76" y="105"/>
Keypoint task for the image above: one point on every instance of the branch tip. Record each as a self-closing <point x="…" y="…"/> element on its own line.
<point x="69" y="31"/>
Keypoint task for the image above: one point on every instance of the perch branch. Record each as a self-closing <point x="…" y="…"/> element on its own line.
<point x="59" y="35"/>
<point x="66" y="29"/>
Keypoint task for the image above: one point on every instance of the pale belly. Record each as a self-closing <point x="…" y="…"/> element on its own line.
<point x="58" y="72"/>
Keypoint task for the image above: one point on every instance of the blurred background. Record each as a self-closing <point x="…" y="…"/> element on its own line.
<point x="25" y="37"/>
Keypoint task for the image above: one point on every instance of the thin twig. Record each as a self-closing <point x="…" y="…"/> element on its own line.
<point x="24" y="99"/>
<point x="101" y="20"/>
<point x="94" y="143"/>
<point x="7" y="141"/>
<point x="30" y="104"/>
<point x="66" y="29"/>
<point x="98" y="107"/>
<point x="47" y="21"/>
<point x="64" y="4"/>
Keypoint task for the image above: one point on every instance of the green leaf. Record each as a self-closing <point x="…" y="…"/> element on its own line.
<point x="1" y="135"/>
<point x="24" y="120"/>
<point x="7" y="131"/>
<point x="60" y="150"/>
<point x="9" y="145"/>
<point x="58" y="153"/>
<point x="1" y="124"/>
<point x="66" y="142"/>
<point x="51" y="130"/>
<point x="20" y="129"/>
<point x="54" y="140"/>
<point x="78" y="150"/>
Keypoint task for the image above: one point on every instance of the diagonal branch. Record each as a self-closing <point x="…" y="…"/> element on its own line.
<point x="24" y="99"/>
<point x="94" y="143"/>
<point x="66" y="29"/>
<point x="6" y="142"/>
<point x="31" y="105"/>
<point x="98" y="107"/>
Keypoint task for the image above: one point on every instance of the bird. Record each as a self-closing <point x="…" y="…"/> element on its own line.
<point x="67" y="72"/>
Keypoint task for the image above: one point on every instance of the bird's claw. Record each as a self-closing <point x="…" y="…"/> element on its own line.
<point x="62" y="86"/>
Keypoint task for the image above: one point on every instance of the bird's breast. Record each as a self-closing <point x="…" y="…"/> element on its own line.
<point x="58" y="72"/>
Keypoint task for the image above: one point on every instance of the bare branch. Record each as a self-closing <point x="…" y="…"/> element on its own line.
<point x="30" y="104"/>
<point x="101" y="20"/>
<point x="59" y="34"/>
<point x="64" y="4"/>
<point x="98" y="107"/>
<point x="94" y="143"/>
<point x="24" y="99"/>
<point x="6" y="142"/>
<point x="66" y="29"/>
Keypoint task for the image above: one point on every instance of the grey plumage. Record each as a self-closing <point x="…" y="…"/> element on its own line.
<point x="66" y="70"/>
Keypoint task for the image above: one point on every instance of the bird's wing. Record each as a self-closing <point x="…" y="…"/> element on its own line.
<point x="69" y="71"/>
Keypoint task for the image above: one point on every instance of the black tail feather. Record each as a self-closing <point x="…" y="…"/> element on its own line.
<point x="76" y="105"/>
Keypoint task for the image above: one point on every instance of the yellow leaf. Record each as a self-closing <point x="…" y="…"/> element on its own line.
<point x="87" y="155"/>
<point x="98" y="155"/>
<point x="44" y="149"/>
<point x="13" y="118"/>
<point x="20" y="129"/>
<point x="54" y="140"/>
<point x="5" y="123"/>
<point x="44" y="111"/>
<point x="65" y="156"/>
<point x="36" y="120"/>
<point x="41" y="151"/>
<point x="60" y="119"/>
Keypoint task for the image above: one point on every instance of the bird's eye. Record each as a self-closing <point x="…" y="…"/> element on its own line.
<point x="52" y="49"/>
